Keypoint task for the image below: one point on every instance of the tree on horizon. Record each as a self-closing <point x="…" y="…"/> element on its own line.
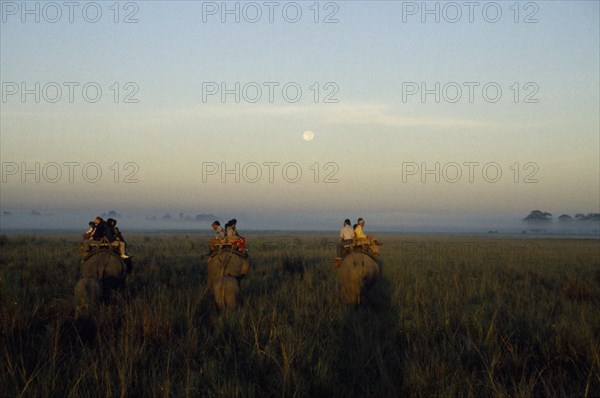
<point x="538" y="216"/>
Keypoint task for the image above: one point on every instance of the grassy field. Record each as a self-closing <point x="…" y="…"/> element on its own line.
<point x="449" y="316"/>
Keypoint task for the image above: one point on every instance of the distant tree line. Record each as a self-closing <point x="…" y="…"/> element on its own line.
<point x="536" y="216"/>
<point x="580" y="217"/>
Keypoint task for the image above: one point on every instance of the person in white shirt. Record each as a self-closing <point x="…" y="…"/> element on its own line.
<point x="346" y="237"/>
<point x="219" y="233"/>
<point x="219" y="236"/>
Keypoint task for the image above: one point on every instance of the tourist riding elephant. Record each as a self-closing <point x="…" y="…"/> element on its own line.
<point x="225" y="271"/>
<point x="356" y="273"/>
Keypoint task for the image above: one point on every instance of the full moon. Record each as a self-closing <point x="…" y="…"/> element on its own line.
<point x="308" y="135"/>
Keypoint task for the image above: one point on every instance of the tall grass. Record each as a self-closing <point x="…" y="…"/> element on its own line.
<point x="450" y="316"/>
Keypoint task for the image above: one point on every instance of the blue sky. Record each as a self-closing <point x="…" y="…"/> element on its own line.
<point x="545" y="143"/>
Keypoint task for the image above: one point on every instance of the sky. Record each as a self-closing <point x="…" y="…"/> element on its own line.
<point x="434" y="115"/>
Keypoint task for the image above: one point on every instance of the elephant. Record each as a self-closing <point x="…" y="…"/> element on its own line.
<point x="225" y="271"/>
<point x="357" y="273"/>
<point x="88" y="292"/>
<point x="227" y="264"/>
<point x="226" y="290"/>
<point x="106" y="266"/>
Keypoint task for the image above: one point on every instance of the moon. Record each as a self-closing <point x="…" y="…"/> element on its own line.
<point x="308" y="135"/>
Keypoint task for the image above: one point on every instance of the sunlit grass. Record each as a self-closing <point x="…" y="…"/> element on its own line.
<point x="450" y="316"/>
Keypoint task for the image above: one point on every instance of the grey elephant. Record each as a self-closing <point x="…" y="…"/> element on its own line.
<point x="356" y="273"/>
<point x="226" y="290"/>
<point x="88" y="292"/>
<point x="225" y="271"/>
<point x="105" y="266"/>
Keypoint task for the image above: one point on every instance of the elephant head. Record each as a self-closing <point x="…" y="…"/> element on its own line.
<point x="356" y="273"/>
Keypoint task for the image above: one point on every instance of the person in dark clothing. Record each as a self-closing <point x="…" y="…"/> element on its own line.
<point x="99" y="229"/>
<point x="115" y="237"/>
<point x="86" y="235"/>
<point x="109" y="230"/>
<point x="119" y="236"/>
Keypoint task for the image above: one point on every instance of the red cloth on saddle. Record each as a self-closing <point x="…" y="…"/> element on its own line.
<point x="240" y="244"/>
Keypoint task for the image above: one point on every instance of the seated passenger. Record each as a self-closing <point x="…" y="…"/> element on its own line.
<point x="86" y="235"/>
<point x="115" y="237"/>
<point x="231" y="230"/>
<point x="361" y="239"/>
<point x="99" y="229"/>
<point x="346" y="237"/>
<point x="119" y="235"/>
<point x="219" y="233"/>
<point x="218" y="238"/>
<point x="237" y="241"/>
<point x="358" y="231"/>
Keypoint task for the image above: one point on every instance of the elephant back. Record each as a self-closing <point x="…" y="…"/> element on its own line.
<point x="227" y="264"/>
<point x="88" y="292"/>
<point x="356" y="273"/>
<point x="106" y="266"/>
<point x="226" y="290"/>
